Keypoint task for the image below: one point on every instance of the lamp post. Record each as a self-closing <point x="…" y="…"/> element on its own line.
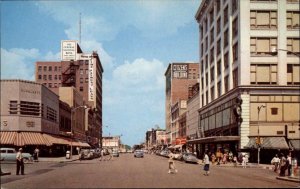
<point x="258" y="137"/>
<point x="73" y="110"/>
<point x="275" y="50"/>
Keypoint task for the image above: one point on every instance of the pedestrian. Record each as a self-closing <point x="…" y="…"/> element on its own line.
<point x="289" y="163"/>
<point x="275" y="161"/>
<point x="247" y="158"/>
<point x="230" y="156"/>
<point x="78" y="150"/>
<point x="20" y="162"/>
<point x="225" y="157"/>
<point x="172" y="168"/>
<point x="213" y="158"/>
<point x="219" y="156"/>
<point x="101" y="155"/>
<point x="283" y="164"/>
<point x="206" y="164"/>
<point x="235" y="161"/>
<point x="244" y="161"/>
<point x="36" y="154"/>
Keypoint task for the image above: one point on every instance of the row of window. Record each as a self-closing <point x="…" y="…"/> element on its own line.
<point x="56" y="77"/>
<point x="49" y="68"/>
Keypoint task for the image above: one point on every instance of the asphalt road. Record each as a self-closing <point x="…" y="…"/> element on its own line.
<point x="129" y="172"/>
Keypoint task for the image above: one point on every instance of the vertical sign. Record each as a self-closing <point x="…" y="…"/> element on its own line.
<point x="68" y="50"/>
<point x="91" y="80"/>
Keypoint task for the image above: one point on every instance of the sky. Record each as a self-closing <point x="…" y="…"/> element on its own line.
<point x="136" y="41"/>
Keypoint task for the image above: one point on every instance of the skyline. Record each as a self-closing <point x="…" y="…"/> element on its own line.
<point x="134" y="51"/>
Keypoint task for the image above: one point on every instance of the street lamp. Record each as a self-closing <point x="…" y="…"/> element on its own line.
<point x="73" y="110"/>
<point x="258" y="137"/>
<point x="275" y="50"/>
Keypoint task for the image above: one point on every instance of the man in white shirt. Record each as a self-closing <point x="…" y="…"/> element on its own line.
<point x="20" y="163"/>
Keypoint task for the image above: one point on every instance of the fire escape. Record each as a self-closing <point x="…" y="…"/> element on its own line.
<point x="69" y="75"/>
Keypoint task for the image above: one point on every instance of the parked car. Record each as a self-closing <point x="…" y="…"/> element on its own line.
<point x="95" y="152"/>
<point x="9" y="154"/>
<point x="190" y="157"/>
<point x="86" y="154"/>
<point x="115" y="153"/>
<point x="178" y="156"/>
<point x="138" y="153"/>
<point x="164" y="153"/>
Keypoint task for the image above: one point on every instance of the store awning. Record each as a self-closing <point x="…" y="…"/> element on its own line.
<point x="214" y="139"/>
<point x="268" y="143"/>
<point x="171" y="147"/>
<point x="57" y="139"/>
<point x="295" y="144"/>
<point x="23" y="138"/>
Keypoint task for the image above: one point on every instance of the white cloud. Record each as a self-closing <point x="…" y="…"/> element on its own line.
<point x="18" y="63"/>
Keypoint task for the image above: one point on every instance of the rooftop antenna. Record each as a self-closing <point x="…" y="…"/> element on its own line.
<point x="80" y="28"/>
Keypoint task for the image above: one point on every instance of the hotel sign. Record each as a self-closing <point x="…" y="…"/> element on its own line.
<point x="91" y="95"/>
<point x="68" y="50"/>
<point x="180" y="71"/>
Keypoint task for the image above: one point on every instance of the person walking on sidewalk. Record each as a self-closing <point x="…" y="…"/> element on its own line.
<point x="275" y="161"/>
<point x="172" y="168"/>
<point x="244" y="161"/>
<point x="283" y="165"/>
<point x="20" y="162"/>
<point x="206" y="164"/>
<point x="289" y="163"/>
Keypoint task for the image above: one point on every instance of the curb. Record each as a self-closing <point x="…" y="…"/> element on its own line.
<point x="7" y="173"/>
<point x="291" y="179"/>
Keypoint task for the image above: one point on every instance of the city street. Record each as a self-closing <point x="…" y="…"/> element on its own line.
<point x="129" y="172"/>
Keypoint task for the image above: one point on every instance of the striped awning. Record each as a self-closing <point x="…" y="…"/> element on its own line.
<point x="295" y="144"/>
<point x="23" y="138"/>
<point x="57" y="140"/>
<point x="80" y="144"/>
<point x="268" y="143"/>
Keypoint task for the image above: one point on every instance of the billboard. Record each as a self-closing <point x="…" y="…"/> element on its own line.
<point x="68" y="50"/>
<point x="91" y="95"/>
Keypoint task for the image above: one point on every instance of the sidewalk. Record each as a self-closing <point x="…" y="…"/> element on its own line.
<point x="58" y="159"/>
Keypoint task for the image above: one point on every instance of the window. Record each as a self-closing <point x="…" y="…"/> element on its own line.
<point x="206" y="97"/>
<point x="292" y="19"/>
<point x="202" y="48"/>
<point x="262" y="46"/>
<point x="51" y="114"/>
<point x="50" y="77"/>
<point x="263" y="74"/>
<point x="86" y="80"/>
<point x="218" y="2"/>
<point x="55" y="77"/>
<point x="263" y="19"/>
<point x="225" y="38"/>
<point x="55" y="68"/>
<point x="293" y="45"/>
<point x="81" y="80"/>
<point x="212" y="74"/>
<point x="50" y="68"/>
<point x="86" y="62"/>
<point x="234" y="5"/>
<point x="206" y="79"/>
<point x="201" y="31"/>
<point x="212" y="93"/>
<point x="274" y="111"/>
<point x="45" y="68"/>
<point x="13" y="107"/>
<point x="59" y="77"/>
<point x="206" y="44"/>
<point x="81" y="72"/>
<point x="202" y="83"/>
<point x="81" y="88"/>
<point x="212" y="36"/>
<point x="226" y="61"/>
<point x="44" y="77"/>
<point x="40" y="68"/>
<point x="219" y="67"/>
<point x="218" y="47"/>
<point x="86" y="71"/>
<point x="206" y="62"/>
<point x="212" y="52"/>
<point x="218" y="26"/>
<point x="29" y="108"/>
<point x="206" y="25"/>
<point x="50" y="85"/>
<point x="226" y="83"/>
<point x="211" y="16"/>
<point x="293" y="74"/>
<point x="235" y="78"/>
<point x="235" y="51"/>
<point x="225" y="16"/>
<point x="55" y="85"/>
<point x="235" y="28"/>
<point x="40" y="77"/>
<point x="219" y="89"/>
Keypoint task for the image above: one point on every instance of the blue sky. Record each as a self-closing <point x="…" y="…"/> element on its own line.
<point x="136" y="40"/>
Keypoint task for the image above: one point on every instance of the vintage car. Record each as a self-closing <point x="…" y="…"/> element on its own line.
<point x="10" y="154"/>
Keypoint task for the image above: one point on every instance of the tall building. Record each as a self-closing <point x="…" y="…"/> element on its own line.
<point x="180" y="77"/>
<point x="249" y="76"/>
<point x="80" y="70"/>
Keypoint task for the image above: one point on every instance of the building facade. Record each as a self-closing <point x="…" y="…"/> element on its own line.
<point x="179" y="78"/>
<point x="249" y="76"/>
<point x="82" y="71"/>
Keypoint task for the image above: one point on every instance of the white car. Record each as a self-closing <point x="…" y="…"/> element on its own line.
<point x="9" y="154"/>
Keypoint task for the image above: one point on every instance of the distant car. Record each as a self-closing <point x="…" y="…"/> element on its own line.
<point x="115" y="153"/>
<point x="86" y="154"/>
<point x="138" y="153"/>
<point x="129" y="151"/>
<point x="190" y="157"/>
<point x="9" y="154"/>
